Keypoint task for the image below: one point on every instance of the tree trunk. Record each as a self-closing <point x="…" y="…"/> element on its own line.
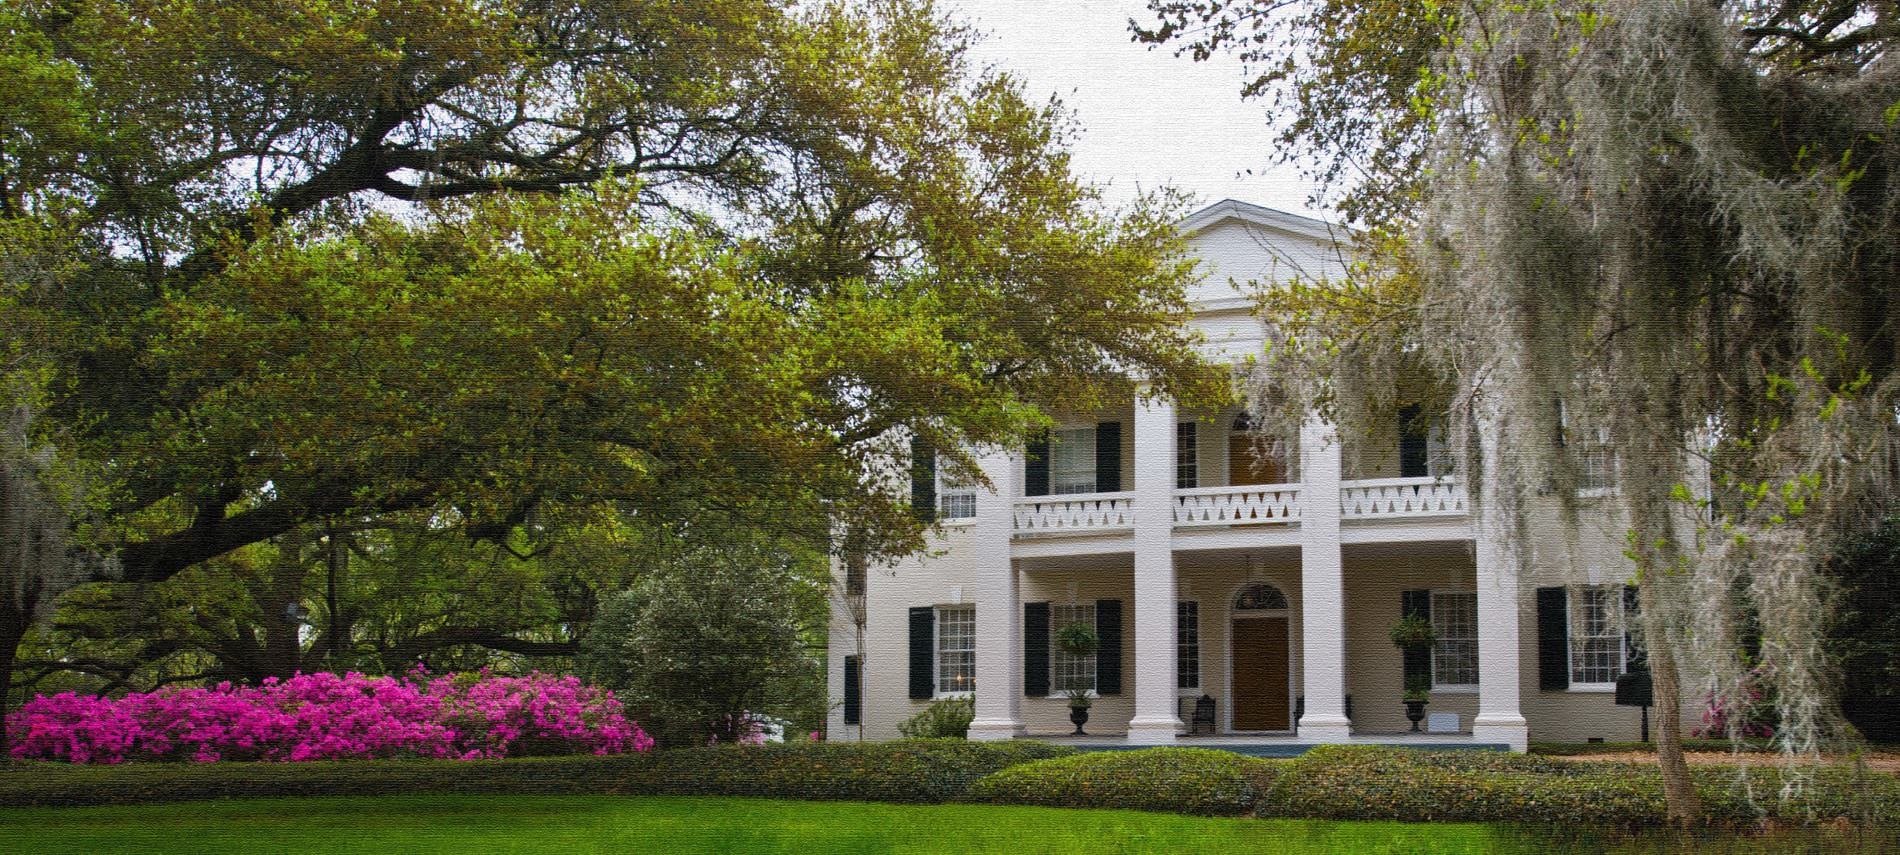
<point x="1684" y="805"/>
<point x="12" y="630"/>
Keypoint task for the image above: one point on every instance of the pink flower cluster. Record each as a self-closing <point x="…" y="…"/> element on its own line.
<point x="1756" y="719"/>
<point x="331" y="717"/>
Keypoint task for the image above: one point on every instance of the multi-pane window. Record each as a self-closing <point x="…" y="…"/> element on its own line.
<point x="956" y="496"/>
<point x="1596" y="634"/>
<point x="1455" y="622"/>
<point x="1187" y="461"/>
<point x="1590" y="447"/>
<point x="1187" y="633"/>
<point x="1072" y="461"/>
<point x="1070" y="671"/>
<point x="956" y="649"/>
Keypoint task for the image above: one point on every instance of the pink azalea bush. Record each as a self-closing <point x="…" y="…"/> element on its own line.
<point x="1753" y="712"/>
<point x="331" y="717"/>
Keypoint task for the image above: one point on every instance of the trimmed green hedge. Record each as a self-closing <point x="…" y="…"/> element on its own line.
<point x="1371" y="783"/>
<point x="907" y="771"/>
<point x="1177" y="780"/>
<point x="45" y="783"/>
<point x="917" y="770"/>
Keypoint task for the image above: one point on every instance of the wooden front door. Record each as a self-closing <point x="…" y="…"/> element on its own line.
<point x="1246" y="465"/>
<point x="1262" y="674"/>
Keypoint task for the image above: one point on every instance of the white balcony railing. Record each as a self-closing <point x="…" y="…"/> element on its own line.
<point x="1075" y="514"/>
<point x="1244" y="505"/>
<point x="1397" y="498"/>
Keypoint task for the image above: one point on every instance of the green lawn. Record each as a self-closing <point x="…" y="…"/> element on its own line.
<point x="466" y="825"/>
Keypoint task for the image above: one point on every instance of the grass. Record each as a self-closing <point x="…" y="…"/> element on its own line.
<point x="569" y="824"/>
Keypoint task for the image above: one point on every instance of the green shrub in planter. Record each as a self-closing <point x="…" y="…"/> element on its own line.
<point x="946" y="719"/>
<point x="1177" y="780"/>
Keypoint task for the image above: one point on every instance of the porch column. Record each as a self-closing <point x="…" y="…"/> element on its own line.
<point x="1155" y="718"/>
<point x="1499" y="719"/>
<point x="1322" y="588"/>
<point x="998" y="605"/>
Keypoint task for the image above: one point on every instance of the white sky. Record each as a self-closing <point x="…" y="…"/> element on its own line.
<point x="1147" y="117"/>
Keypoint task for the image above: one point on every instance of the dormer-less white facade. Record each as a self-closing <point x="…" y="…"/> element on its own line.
<point x="1218" y="575"/>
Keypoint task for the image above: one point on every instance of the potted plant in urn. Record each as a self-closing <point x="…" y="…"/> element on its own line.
<point x="1414" y="635"/>
<point x="1077" y="639"/>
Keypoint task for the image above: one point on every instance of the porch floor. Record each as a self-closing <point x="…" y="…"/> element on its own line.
<point x="1257" y="745"/>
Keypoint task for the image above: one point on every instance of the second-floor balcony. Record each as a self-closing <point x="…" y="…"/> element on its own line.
<point x="1370" y="500"/>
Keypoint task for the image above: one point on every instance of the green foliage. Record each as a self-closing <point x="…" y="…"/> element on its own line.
<point x="1077" y="638"/>
<point x="1177" y="780"/>
<point x="1413" y="631"/>
<point x="1864" y="637"/>
<point x="946" y="719"/>
<point x="712" y="635"/>
<point x="1418" y="687"/>
<point x="922" y="771"/>
<point x="137" y="783"/>
<point x="1365" y="782"/>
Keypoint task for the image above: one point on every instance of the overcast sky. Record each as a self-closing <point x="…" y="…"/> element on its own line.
<point x="1147" y="117"/>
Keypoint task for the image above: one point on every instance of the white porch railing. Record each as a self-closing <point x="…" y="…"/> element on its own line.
<point x="1074" y="514"/>
<point x="1243" y="505"/>
<point x="1397" y="498"/>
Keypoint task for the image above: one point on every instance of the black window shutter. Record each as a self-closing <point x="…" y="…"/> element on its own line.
<point x="1108" y="457"/>
<point x="1418" y="660"/>
<point x="853" y="691"/>
<point x="1412" y="442"/>
<point x="1553" y="639"/>
<point x="1108" y="656"/>
<point x="1036" y="466"/>
<point x="1036" y="649"/>
<point x="1634" y="657"/>
<point x="923" y="649"/>
<point x="923" y="480"/>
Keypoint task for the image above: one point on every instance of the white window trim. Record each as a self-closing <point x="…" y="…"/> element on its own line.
<point x="946" y="489"/>
<point x="1453" y="688"/>
<point x="1055" y="689"/>
<point x="1056" y="485"/>
<point x="936" y="655"/>
<point x="1570" y="640"/>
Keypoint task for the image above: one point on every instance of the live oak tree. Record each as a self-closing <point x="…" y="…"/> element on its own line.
<point x="323" y="261"/>
<point x="1672" y="221"/>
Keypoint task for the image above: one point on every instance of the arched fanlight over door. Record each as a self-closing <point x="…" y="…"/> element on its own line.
<point x="1259" y="596"/>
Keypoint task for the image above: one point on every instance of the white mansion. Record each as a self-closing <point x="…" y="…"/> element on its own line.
<point x="1217" y="577"/>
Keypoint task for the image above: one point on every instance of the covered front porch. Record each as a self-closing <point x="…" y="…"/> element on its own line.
<point x="1255" y="745"/>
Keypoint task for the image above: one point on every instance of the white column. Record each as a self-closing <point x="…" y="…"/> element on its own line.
<point x="1499" y="719"/>
<point x="999" y="657"/>
<point x="1322" y="588"/>
<point x="1155" y="720"/>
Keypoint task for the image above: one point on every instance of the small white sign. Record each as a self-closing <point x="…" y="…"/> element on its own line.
<point x="1442" y="722"/>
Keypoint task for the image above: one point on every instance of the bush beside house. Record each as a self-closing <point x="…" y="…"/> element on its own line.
<point x="1176" y="780"/>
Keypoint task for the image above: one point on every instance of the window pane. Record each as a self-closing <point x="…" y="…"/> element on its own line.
<point x="957" y="506"/>
<point x="1072" y="461"/>
<point x="1187" y="463"/>
<point x="1455" y="656"/>
<point x="1187" y="630"/>
<point x="956" y="648"/>
<point x="1070" y="671"/>
<point x="1596" y="634"/>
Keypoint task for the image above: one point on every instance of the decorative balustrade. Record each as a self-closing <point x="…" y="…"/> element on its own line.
<point x="1244" y="505"/>
<point x="1075" y="514"/>
<point x="1398" y="498"/>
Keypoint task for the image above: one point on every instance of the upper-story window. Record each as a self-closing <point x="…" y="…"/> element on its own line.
<point x="1590" y="447"/>
<point x="956" y="497"/>
<point x="1187" y="456"/>
<point x="1422" y="451"/>
<point x="1072" y="460"/>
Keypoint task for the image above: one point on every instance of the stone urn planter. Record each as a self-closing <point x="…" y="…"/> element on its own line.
<point x="1415" y="712"/>
<point x="1080" y="716"/>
